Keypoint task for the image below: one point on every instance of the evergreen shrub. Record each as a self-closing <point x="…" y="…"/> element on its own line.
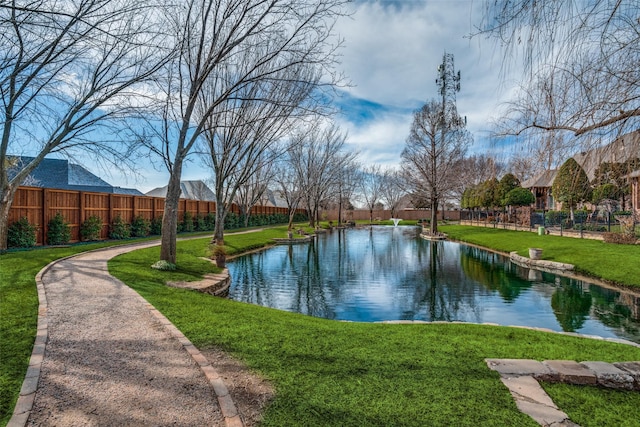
<point x="90" y="228"/>
<point x="59" y="232"/>
<point x="187" y="222"/>
<point x="119" y="229"/>
<point x="21" y="234"/>
<point x="155" y="228"/>
<point x="140" y="227"/>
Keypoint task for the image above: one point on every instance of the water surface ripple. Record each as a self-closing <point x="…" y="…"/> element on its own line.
<point x="390" y="273"/>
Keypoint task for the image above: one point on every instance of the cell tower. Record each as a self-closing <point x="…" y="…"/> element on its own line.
<point x="448" y="82"/>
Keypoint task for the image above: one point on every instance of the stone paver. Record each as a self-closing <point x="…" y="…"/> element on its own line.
<point x="570" y="371"/>
<point x="633" y="369"/>
<point x="519" y="367"/>
<point x="610" y="376"/>
<point x="521" y="377"/>
<point x="531" y="399"/>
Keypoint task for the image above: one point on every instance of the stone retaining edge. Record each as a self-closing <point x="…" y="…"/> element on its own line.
<point x="532" y="328"/>
<point x="541" y="264"/>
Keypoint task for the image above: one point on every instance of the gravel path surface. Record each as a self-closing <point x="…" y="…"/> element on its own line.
<point x="109" y="361"/>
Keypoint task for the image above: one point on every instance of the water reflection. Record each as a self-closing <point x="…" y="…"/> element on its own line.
<point x="389" y="273"/>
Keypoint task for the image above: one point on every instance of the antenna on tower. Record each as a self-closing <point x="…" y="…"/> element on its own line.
<point x="448" y="82"/>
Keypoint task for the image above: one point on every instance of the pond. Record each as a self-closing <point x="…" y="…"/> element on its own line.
<point x="390" y="273"/>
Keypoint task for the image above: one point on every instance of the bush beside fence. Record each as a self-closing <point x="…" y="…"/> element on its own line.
<point x="83" y="211"/>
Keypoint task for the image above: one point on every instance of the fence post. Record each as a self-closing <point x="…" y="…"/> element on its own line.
<point x="45" y="215"/>
<point x="110" y="216"/>
<point x="135" y="207"/>
<point x="581" y="227"/>
<point x="81" y="206"/>
<point x="609" y="222"/>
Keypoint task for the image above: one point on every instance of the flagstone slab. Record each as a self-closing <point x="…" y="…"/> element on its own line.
<point x="633" y="369"/>
<point x="572" y="372"/>
<point x="519" y="367"/>
<point x="532" y="400"/>
<point x="610" y="376"/>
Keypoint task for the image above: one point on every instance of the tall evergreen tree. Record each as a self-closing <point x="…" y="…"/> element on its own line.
<point x="571" y="185"/>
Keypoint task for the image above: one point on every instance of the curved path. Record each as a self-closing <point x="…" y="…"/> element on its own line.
<point x="111" y="359"/>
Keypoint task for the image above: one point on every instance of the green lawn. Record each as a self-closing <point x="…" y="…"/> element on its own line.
<point x="325" y="372"/>
<point x="611" y="262"/>
<point x="334" y="373"/>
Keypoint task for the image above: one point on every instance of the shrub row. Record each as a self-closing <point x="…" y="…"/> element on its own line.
<point x="22" y="234"/>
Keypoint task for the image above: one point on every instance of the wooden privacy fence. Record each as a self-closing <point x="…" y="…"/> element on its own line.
<point x="39" y="205"/>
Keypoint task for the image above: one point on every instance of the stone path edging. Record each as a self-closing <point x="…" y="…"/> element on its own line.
<point x="521" y="377"/>
<point x="26" y="399"/>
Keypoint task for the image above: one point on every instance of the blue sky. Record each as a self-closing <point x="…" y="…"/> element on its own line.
<point x="392" y="50"/>
<point x="390" y="56"/>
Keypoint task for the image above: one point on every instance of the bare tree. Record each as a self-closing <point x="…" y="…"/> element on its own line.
<point x="68" y="72"/>
<point x="437" y="142"/>
<point x="288" y="187"/>
<point x="522" y="166"/>
<point x="246" y="133"/>
<point x="318" y="160"/>
<point x="254" y="189"/>
<point x="580" y="62"/>
<point x="433" y="148"/>
<point x="224" y="46"/>
<point x="472" y="170"/>
<point x="346" y="185"/>
<point x="370" y="184"/>
<point x="393" y="190"/>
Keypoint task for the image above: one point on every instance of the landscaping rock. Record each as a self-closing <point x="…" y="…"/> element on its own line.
<point x="633" y="369"/>
<point x="610" y="376"/>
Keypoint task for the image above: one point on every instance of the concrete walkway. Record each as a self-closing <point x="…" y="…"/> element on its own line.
<point x="104" y="356"/>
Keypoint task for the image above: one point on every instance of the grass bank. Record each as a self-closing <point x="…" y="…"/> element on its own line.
<point x="610" y="262"/>
<point x="19" y="301"/>
<point x="335" y="373"/>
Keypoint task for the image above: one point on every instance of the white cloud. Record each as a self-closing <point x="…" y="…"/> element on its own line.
<point x="380" y="141"/>
<point x="391" y="54"/>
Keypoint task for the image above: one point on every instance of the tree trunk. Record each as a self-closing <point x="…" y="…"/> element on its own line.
<point x="246" y="217"/>
<point x="170" y="216"/>
<point x="312" y="218"/>
<point x="434" y="216"/>
<point x="291" y="215"/>
<point x="6" y="198"/>
<point x="218" y="231"/>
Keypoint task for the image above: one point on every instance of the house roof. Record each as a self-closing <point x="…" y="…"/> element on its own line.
<point x="192" y="190"/>
<point x="620" y="150"/>
<point x="274" y="199"/>
<point x="542" y="180"/>
<point x="60" y="174"/>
